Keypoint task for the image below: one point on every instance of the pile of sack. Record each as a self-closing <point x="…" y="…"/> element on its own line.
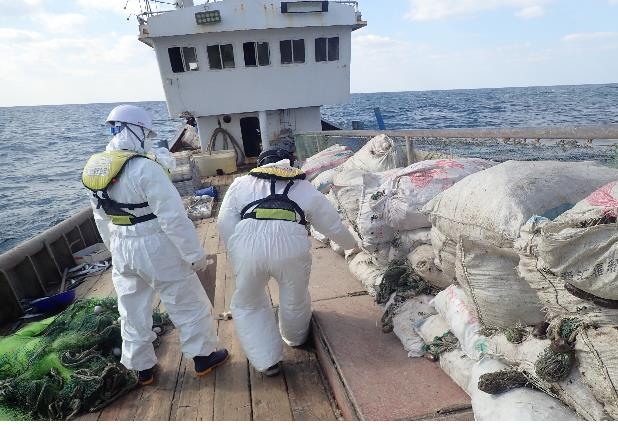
<point x="522" y="257"/>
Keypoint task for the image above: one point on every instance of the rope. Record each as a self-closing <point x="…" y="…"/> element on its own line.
<point x="240" y="156"/>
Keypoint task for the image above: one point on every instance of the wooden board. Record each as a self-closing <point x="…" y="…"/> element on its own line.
<point x="309" y="397"/>
<point x="231" y="401"/>
<point x="269" y="397"/>
<point x="195" y="396"/>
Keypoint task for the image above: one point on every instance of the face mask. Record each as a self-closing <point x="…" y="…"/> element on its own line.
<point x="115" y="129"/>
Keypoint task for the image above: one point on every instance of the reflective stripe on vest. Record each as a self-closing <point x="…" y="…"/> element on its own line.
<point x="276" y="206"/>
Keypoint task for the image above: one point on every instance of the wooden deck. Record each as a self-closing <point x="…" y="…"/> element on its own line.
<point x="235" y="391"/>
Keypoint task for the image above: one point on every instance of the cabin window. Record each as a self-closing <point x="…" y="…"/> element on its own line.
<point x="292" y="51"/>
<point x="183" y="59"/>
<point x="256" y="53"/>
<point x="326" y="49"/>
<point x="220" y="56"/>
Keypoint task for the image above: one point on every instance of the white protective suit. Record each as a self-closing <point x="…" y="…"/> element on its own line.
<point x="261" y="249"/>
<point x="155" y="255"/>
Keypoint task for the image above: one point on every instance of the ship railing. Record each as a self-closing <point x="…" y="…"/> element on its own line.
<point x="589" y="142"/>
<point x="35" y="268"/>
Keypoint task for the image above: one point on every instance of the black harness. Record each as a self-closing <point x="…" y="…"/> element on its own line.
<point x="114" y="209"/>
<point x="276" y="206"/>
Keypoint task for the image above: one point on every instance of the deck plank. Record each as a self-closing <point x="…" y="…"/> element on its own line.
<point x="202" y="227"/>
<point x="196" y="396"/>
<point x="124" y="408"/>
<point x="156" y="401"/>
<point x="269" y="397"/>
<point x="232" y="397"/>
<point x="307" y="392"/>
<point x="96" y="286"/>
<point x="211" y="242"/>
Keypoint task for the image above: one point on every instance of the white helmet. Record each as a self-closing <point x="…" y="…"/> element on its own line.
<point x="131" y="114"/>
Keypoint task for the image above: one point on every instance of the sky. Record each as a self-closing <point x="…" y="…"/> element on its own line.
<point x="86" y="51"/>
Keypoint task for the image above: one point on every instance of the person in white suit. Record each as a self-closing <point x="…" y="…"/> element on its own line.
<point x="262" y="220"/>
<point x="154" y="246"/>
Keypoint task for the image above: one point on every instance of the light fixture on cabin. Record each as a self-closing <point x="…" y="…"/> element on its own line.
<point x="304" y="6"/>
<point x="208" y="17"/>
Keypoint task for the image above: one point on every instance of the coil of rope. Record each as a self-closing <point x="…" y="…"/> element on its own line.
<point x="240" y="156"/>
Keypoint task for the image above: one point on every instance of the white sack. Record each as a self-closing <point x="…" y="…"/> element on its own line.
<point x="493" y="204"/>
<point x="371" y="224"/>
<point x="324" y="181"/>
<point x="557" y="301"/>
<point x="406" y="192"/>
<point x="572" y="390"/>
<point x="598" y="361"/>
<point x="365" y="271"/>
<point x="348" y="187"/>
<point x="422" y="261"/>
<point x="458" y="367"/>
<point x="520" y="404"/>
<point x="490" y="279"/>
<point x="405" y="242"/>
<point x="409" y="316"/>
<point x="432" y="327"/>
<point x="325" y="160"/>
<point x="378" y="154"/>
<point x="453" y="305"/>
<point x="445" y="251"/>
<point x="579" y="248"/>
<point x="379" y="253"/>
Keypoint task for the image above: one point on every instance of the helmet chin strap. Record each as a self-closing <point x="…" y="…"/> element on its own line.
<point x="142" y="140"/>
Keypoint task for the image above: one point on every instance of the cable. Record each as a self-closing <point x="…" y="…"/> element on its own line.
<point x="240" y="156"/>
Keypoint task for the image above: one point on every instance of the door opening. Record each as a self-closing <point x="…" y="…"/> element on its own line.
<point x="251" y="136"/>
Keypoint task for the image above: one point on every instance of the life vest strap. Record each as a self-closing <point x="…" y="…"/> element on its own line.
<point x="130" y="220"/>
<point x="273" y="207"/>
<point x="117" y="215"/>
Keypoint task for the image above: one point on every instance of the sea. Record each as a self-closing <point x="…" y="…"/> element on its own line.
<point x="44" y="148"/>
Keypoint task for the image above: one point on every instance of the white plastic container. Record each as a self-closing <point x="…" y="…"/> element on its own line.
<point x="209" y="163"/>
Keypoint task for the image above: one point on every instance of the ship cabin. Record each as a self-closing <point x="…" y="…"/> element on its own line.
<point x="257" y="69"/>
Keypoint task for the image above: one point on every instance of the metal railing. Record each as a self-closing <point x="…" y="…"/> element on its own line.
<point x="454" y="140"/>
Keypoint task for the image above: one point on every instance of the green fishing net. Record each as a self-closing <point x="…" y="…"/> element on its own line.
<point x="552" y="366"/>
<point x="440" y="344"/>
<point x="569" y="327"/>
<point x="516" y="333"/>
<point x="401" y="277"/>
<point x="65" y="365"/>
<point x="502" y="381"/>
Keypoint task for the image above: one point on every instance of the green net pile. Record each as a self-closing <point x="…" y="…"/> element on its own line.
<point x="64" y="365"/>
<point x="569" y="328"/>
<point x="502" y="381"/>
<point x="553" y="366"/>
<point x="400" y="277"/>
<point x="516" y="333"/>
<point x="440" y="344"/>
